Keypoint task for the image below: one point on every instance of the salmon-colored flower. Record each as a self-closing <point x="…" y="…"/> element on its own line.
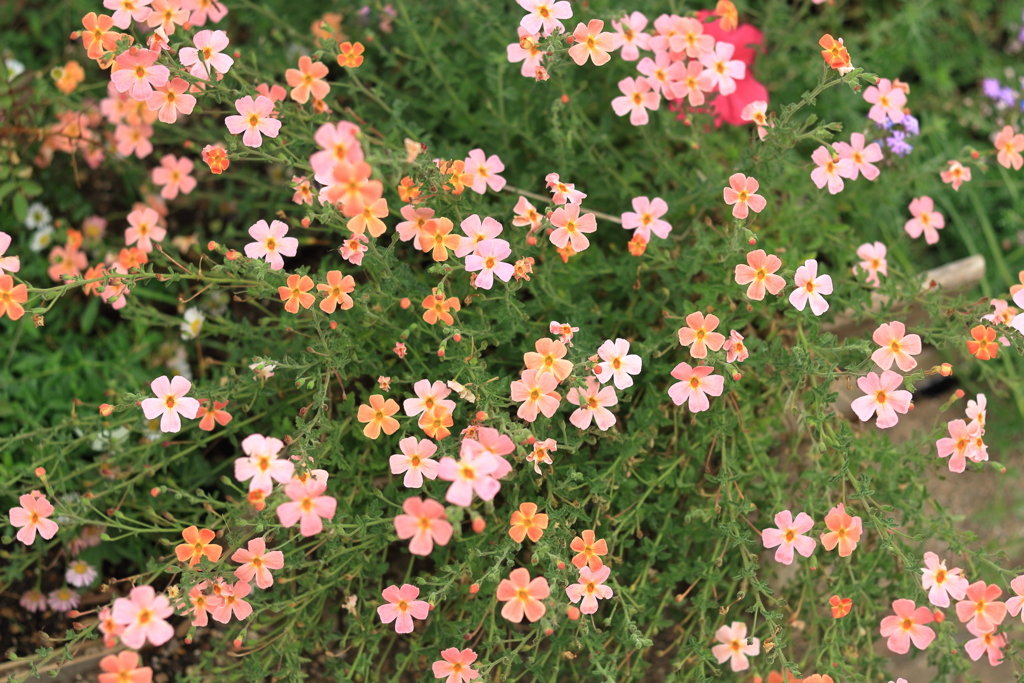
<point x="637" y="97"/>
<point x="253" y="120"/>
<point x="887" y="101"/>
<point x="549" y="357"/>
<point x="757" y="112"/>
<point x="526" y="50"/>
<point x="207" y="55"/>
<point x="957" y="174"/>
<point x="830" y="170"/>
<point x="214" y="156"/>
<point x="985" y="642"/>
<point x="735" y="646"/>
<point x="1009" y="144"/>
<point x="699" y="334"/>
<point x="562" y="192"/>
<point x="425" y="522"/>
<point x="789" y="535"/>
<point x="588" y="549"/>
<point x="454" y="666"/>
<point x="415" y="221"/>
<point x="544" y="15"/>
<point x="138" y="73"/>
<point x="9" y="264"/>
<point x="1014" y="604"/>
<point x="33" y="516"/>
<point x="350" y="55"/>
<point x="353" y="248"/>
<point x="296" y="293"/>
<point x="308" y="78"/>
<point x="593" y="405"/>
<point x="982" y="607"/>
<point x="377" y="416"/>
<point x="522" y="597"/>
<point x="908" y="625"/>
<point x="369" y="218"/>
<point x="166" y="14"/>
<point x="741" y="194"/>
<point x="843" y="530"/>
<point x="810" y="288"/>
<point x="205" y="9"/>
<point x="983" y="345"/>
<point x="472" y="473"/>
<point x="590" y="588"/>
<point x="257" y="562"/>
<point x="436" y="421"/>
<point x="173" y="175"/>
<point x="960" y="444"/>
<point x="688" y="36"/>
<point x="536" y="391"/>
<point x="860" y="157"/>
<point x="872" y="259"/>
<point x="143" y="614"/>
<point x="942" y="583"/>
<point x="437" y="238"/>
<point x="439" y="308"/>
<point x="197" y="545"/>
<point x="233" y="602"/>
<point x="526" y="214"/>
<point x="759" y="273"/>
<point x="126" y="10"/>
<point x="308" y="506"/>
<point x="526" y="521"/>
<point x="484" y="171"/>
<point x="896" y="345"/>
<point x="402" y="607"/>
<point x="336" y="292"/>
<point x="270" y="243"/>
<point x="926" y="219"/>
<point x="570" y="227"/>
<point x="630" y="36"/>
<point x="98" y="38"/>
<point x="124" y="668"/>
<point x="840" y="606"/>
<point x="834" y="52"/>
<point x="694" y="386"/>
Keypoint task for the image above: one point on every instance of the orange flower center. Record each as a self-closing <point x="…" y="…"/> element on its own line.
<point x="534" y="394"/>
<point x="254" y="120"/>
<point x="306" y="504"/>
<point x="881" y="397"/>
<point x="907" y="624"/>
<point x="790" y="535"/>
<point x="144" y="616"/>
<point x="270" y="244"/>
<point x="468" y="472"/>
<point x="170" y="402"/>
<point x="940" y="576"/>
<point x="140" y="71"/>
<point x="695" y="382"/>
<point x="522" y="594"/>
<point x="742" y="197"/>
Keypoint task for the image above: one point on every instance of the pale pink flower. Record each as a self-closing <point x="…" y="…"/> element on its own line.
<point x="985" y="642"/>
<point x="523" y="597"/>
<point x="926" y="219"/>
<point x="722" y="69"/>
<point x="908" y="625"/>
<point x="810" y="288"/>
<point x="662" y="73"/>
<point x="960" y="444"/>
<point x="205" y="9"/>
<point x="261" y="466"/>
<point x="563" y="192"/>
<point x="126" y="10"/>
<point x="699" y="334"/>
<point x="982" y="607"/>
<point x="308" y="505"/>
<point x="33" y="516"/>
<point x="427" y="396"/>
<point x="415" y="220"/>
<point x="80" y="573"/>
<point x="570" y="227"/>
<point x="843" y="530"/>
<point x="207" y="54"/>
<point x="415" y="459"/>
<point x="139" y="73"/>
<point x="338" y="142"/>
<point x="830" y="171"/>
<point x="637" y="97"/>
<point x="166" y="14"/>
<point x="896" y="345"/>
<point x="942" y="583"/>
<point x="735" y="350"/>
<point x="692" y="82"/>
<point x="887" y="100"/>
<point x="454" y="666"/>
<point x="564" y="331"/>
<point x="741" y="194"/>
<point x="476" y="232"/>
<point x="526" y="214"/>
<point x="144" y="229"/>
<point x="590" y="588"/>
<point x="789" y="536"/>
<point x="593" y="42"/>
<point x="173" y="175"/>
<point x="759" y="273"/>
<point x="63" y="599"/>
<point x="646" y="217"/>
<point x="254" y="117"/>
<point x="271" y="244"/>
<point x="402" y="607"/>
<point x="757" y="112"/>
<point x="143" y="614"/>
<point x="882" y="397"/>
<point x="171" y="99"/>
<point x="688" y="36"/>
<point x="536" y="392"/>
<point x="1004" y="314"/>
<point x="527" y="51"/>
<point x="233" y="602"/>
<point x="1010" y="144"/>
<point x="593" y="405"/>
<point x="976" y="410"/>
<point x="734" y="646"/>
<point x="9" y="264"/>
<point x="471" y="474"/>
<point x="353" y="248"/>
<point x="544" y="15"/>
<point x="631" y="37"/>
<point x="33" y="601"/>
<point x="1013" y="605"/>
<point x="489" y="260"/>
<point x="491" y="441"/>
<point x="170" y="402"/>
<point x="873" y="261"/>
<point x="485" y="170"/>
<point x="425" y="523"/>
<point x="617" y="363"/>
<point x="860" y="157"/>
<point x="695" y="383"/>
<point x="257" y="562"/>
<point x="957" y="175"/>
<point x="134" y="139"/>
<point x="541" y="453"/>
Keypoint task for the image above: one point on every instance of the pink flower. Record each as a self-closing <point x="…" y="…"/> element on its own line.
<point x="564" y="331"/>
<point x="593" y="404"/>
<point x="907" y="626"/>
<point x="271" y="244"/>
<point x="491" y="441"/>
<point x="526" y="214"/>
<point x="454" y="666"/>
<point x="207" y="54"/>
<point x="694" y="386"/>
<point x="617" y="363"/>
<point x="134" y="139"/>
<point x="139" y="73"/>
<point x="759" y="273"/>
<point x="170" y="402"/>
<point x="591" y="41"/>
<point x="810" y="288"/>
<point x="882" y="397"/>
<point x="976" y="410"/>
<point x="31" y="517"/>
<point x="126" y="10"/>
<point x="887" y="101"/>
<point x="740" y="195"/>
<point x="233" y="602"/>
<point x="661" y="72"/>
<point x="735" y="350"/>
<point x="308" y="78"/>
<point x="63" y="599"/>
<point x="590" y="588"/>
<point x="338" y="142"/>
<point x="144" y="229"/>
<point x="257" y="562"/>
<point x="143" y="614"/>
<point x="308" y="504"/>
<point x="896" y="346"/>
<point x="541" y="453"/>
<point x="1013" y="605"/>
<point x="981" y="607"/>
<point x="860" y="157"/>
<point x="646" y="218"/>
<point x="522" y="597"/>
<point x="873" y="260"/>
<point x="254" y="117"/>
<point x="563" y="192"/>
<point x="353" y="248"/>
<point x="427" y="396"/>
<point x="206" y="9"/>
<point x="415" y="459"/>
<point x="485" y="171"/>
<point x="721" y="69"/>
<point x="545" y="15"/>
<point x="941" y="583"/>
<point x="173" y="175"/>
<point x="688" y="36"/>
<point x="734" y="646"/>
<point x="9" y="264"/>
<point x="262" y="466"/>
<point x="124" y="668"/>
<point x="1004" y="314"/>
<point x="476" y="232"/>
<point x="830" y="171"/>
<point x="790" y="535"/>
<point x="167" y="13"/>
<point x="425" y="523"/>
<point x="699" y="335"/>
<point x="692" y="82"/>
<point x="631" y="37"/>
<point x="527" y="51"/>
<point x="984" y="642"/>
<point x="570" y="227"/>
<point x="757" y="112"/>
<point x="471" y="474"/>
<point x="958" y="174"/>
<point x="960" y="444"/>
<point x="637" y="97"/>
<point x="171" y="99"/>
<point x="1010" y="144"/>
<point x="489" y="260"/>
<point x="402" y="607"/>
<point x="925" y="219"/>
<point x="536" y="392"/>
<point x="33" y="601"/>
<point x="843" y="530"/>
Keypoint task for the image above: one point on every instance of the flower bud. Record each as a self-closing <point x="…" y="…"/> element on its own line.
<point x="561" y="565"/>
<point x="479" y="525"/>
<point x="752" y="241"/>
<point x="334" y="324"/>
<point x="565" y="99"/>
<point x="305" y="222"/>
<point x="405" y="303"/>
<point x="41" y="472"/>
<point x="211" y="245"/>
<point x="938" y="616"/>
<point x="569" y="40"/>
<point x="531" y="240"/>
<point x="457" y="338"/>
<point x="946" y="370"/>
<point x="231" y="255"/>
<point x="76" y="625"/>
<point x="155" y="491"/>
<point x="481" y="416"/>
<point x="573" y="612"/>
<point x="237" y="642"/>
<point x="440" y="353"/>
<point x="736" y="376"/>
<point x="474" y="589"/>
<point x="959" y="393"/>
<point x="549" y="631"/>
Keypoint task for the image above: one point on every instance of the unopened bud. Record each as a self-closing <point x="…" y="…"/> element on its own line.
<point x="959" y="393"/>
<point x="549" y="631"/>
<point x="565" y="99"/>
<point x="737" y="376"/>
<point x="305" y="222"/>
<point x="457" y="338"/>
<point x="561" y="565"/>
<point x="211" y="245"/>
<point x="474" y="589"/>
<point x="938" y="616"/>
<point x="946" y="370"/>
<point x="479" y="525"/>
<point x="405" y="303"/>
<point x="41" y="472"/>
<point x="573" y="612"/>
<point x="106" y="410"/>
<point x="481" y="416"/>
<point x="231" y="255"/>
<point x="752" y="241"/>
<point x="531" y="240"/>
<point x="155" y="491"/>
<point x="440" y="353"/>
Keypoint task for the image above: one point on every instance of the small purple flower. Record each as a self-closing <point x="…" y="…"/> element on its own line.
<point x="910" y="125"/>
<point x="898" y="144"/>
<point x="1007" y="96"/>
<point x="991" y="87"/>
<point x="885" y="124"/>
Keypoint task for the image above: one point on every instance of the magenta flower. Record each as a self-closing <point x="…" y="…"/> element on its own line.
<point x="981" y="606"/>
<point x="590" y="588"/>
<point x="721" y="69"/>
<point x="262" y="467"/>
<point x="544" y="15"/>
<point x="830" y="171"/>
<point x="207" y="54"/>
<point x="173" y="175"/>
<point x="872" y="259"/>
<point x="489" y="260"/>
<point x="33" y="516"/>
<point x="308" y="505"/>
<point x="790" y="535"/>
<point x="593" y="405"/>
<point x="139" y="73"/>
<point x="942" y="583"/>
<point x="271" y="244"/>
<point x="637" y="97"/>
<point x="617" y="363"/>
<point x="896" y="345"/>
<point x="143" y="614"/>
<point x="170" y="402"/>
<point x="733" y="646"/>
<point x="907" y="626"/>
<point x="925" y="220"/>
<point x="570" y="227"/>
<point x="882" y="397"/>
<point x="485" y="170"/>
<point x="415" y="460"/>
<point x="425" y="523"/>
<point x="254" y="117"/>
<point x="810" y="287"/>
<point x="694" y="386"/>
<point x="859" y="156"/>
<point x="454" y="666"/>
<point x="631" y="37"/>
<point x="887" y="101"/>
<point x="960" y="444"/>
<point x="741" y="194"/>
<point x="144" y="229"/>
<point x="646" y="217"/>
<point x="471" y="474"/>
<point x="402" y="607"/>
<point x="257" y="562"/>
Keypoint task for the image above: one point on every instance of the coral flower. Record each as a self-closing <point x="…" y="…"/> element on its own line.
<point x="645" y="218"/>
<point x="377" y="416"/>
<point x="840" y="606"/>
<point x="740" y="195"/>
<point x="541" y="453"/>
<point x="757" y="112"/>
<point x="437" y="238"/>
<point x="296" y="293"/>
<point x="907" y="626"/>
<point x="735" y="350"/>
<point x="439" y="308"/>
<point x="859" y="156"/>
<point x="699" y="335"/>
<point x="810" y="288"/>
<point x="549" y="357"/>
<point x="882" y="397"/>
<point x="873" y="261"/>
<point x="415" y="461"/>
<point x="593" y="405"/>
<point x="759" y="273"/>
<point x="617" y="363"/>
<point x="233" y="602"/>
<point x="695" y="384"/>
<point x="353" y="248"/>
<point x="485" y="170"/>
<point x="336" y="292"/>
<point x="830" y="171"/>
<point x="591" y="41"/>
<point x="570" y="226"/>
<point x="960" y="444"/>
<point x="489" y="262"/>
<point x="888" y="101"/>
<point x="207" y="54"/>
<point x="981" y="607"/>
<point x="126" y="10"/>
<point x="734" y="647"/>
<point x="257" y="562"/>
<point x="350" y="55"/>
<point x="138" y="73"/>
<point x="308" y="506"/>
<point x="435" y="422"/>
<point x="942" y="583"/>
<point x="203" y="9"/>
<point x="271" y="244"/>
<point x="170" y="402"/>
<point x="415" y="221"/>
<point x="471" y="474"/>
<point x="637" y="97"/>
<point x="958" y="174"/>
<point x="97" y="38"/>
<point x="12" y="297"/>
<point x="588" y="549"/>
<point x="143" y="614"/>
<point x="544" y="15"/>
<point x="896" y="346"/>
<point x="166" y="14"/>
<point x="402" y="607"/>
<point x="262" y="467"/>
<point x="1014" y="604"/>
<point x="834" y="52"/>
<point x="985" y="642"/>
<point x="790" y="535"/>
<point x="33" y="516"/>
<point x="308" y="78"/>
<point x="686" y="35"/>
<point x="843" y="530"/>
<point x="197" y="545"/>
<point x="214" y="156"/>
<point x="173" y="175"/>
<point x="202" y="605"/>
<point x="925" y="219"/>
<point x="522" y="597"/>
<point x="526" y="521"/>
<point x="144" y="229"/>
<point x="253" y="120"/>
<point x="590" y="588"/>
<point x="561" y="192"/>
<point x="536" y="391"/>
<point x="454" y="665"/>
<point x="983" y="346"/>
<point x="425" y="522"/>
<point x="338" y="142"/>
<point x="1009" y="145"/>
<point x="124" y="668"/>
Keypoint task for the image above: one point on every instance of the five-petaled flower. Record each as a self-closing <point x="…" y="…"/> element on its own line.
<point x="454" y="666"/>
<point x="377" y="416"/>
<point x="908" y="625"/>
<point x="143" y="614"/>
<point x="637" y="97"/>
<point x="170" y="402"/>
<point x="699" y="334"/>
<point x="1009" y="145"/>
<point x="526" y="521"/>
<point x="759" y="273"/>
<point x="982" y="344"/>
<point x="33" y="516"/>
<point x="740" y="195"/>
<point x="522" y="597"/>
<point x="734" y="646"/>
<point x="261" y="466"/>
<point x="536" y="391"/>
<point x="843" y="530"/>
<point x="590" y="588"/>
<point x="197" y="545"/>
<point x="271" y="244"/>
<point x="887" y="101"/>
<point x="981" y="606"/>
<point x="254" y="120"/>
<point x="882" y="397"/>
<point x="694" y="386"/>
<point x="593" y="402"/>
<point x="296" y="293"/>
<point x="896" y="345"/>
<point x="942" y="583"/>
<point x="257" y="562"/>
<point x="790" y="535"/>
<point x="840" y="606"/>
<point x="424" y="521"/>
<point x="402" y="607"/>
<point x="810" y="288"/>
<point x="926" y="219"/>
<point x="307" y="79"/>
<point x="308" y="506"/>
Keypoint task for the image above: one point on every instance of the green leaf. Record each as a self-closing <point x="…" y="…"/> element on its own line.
<point x="20" y="207"/>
